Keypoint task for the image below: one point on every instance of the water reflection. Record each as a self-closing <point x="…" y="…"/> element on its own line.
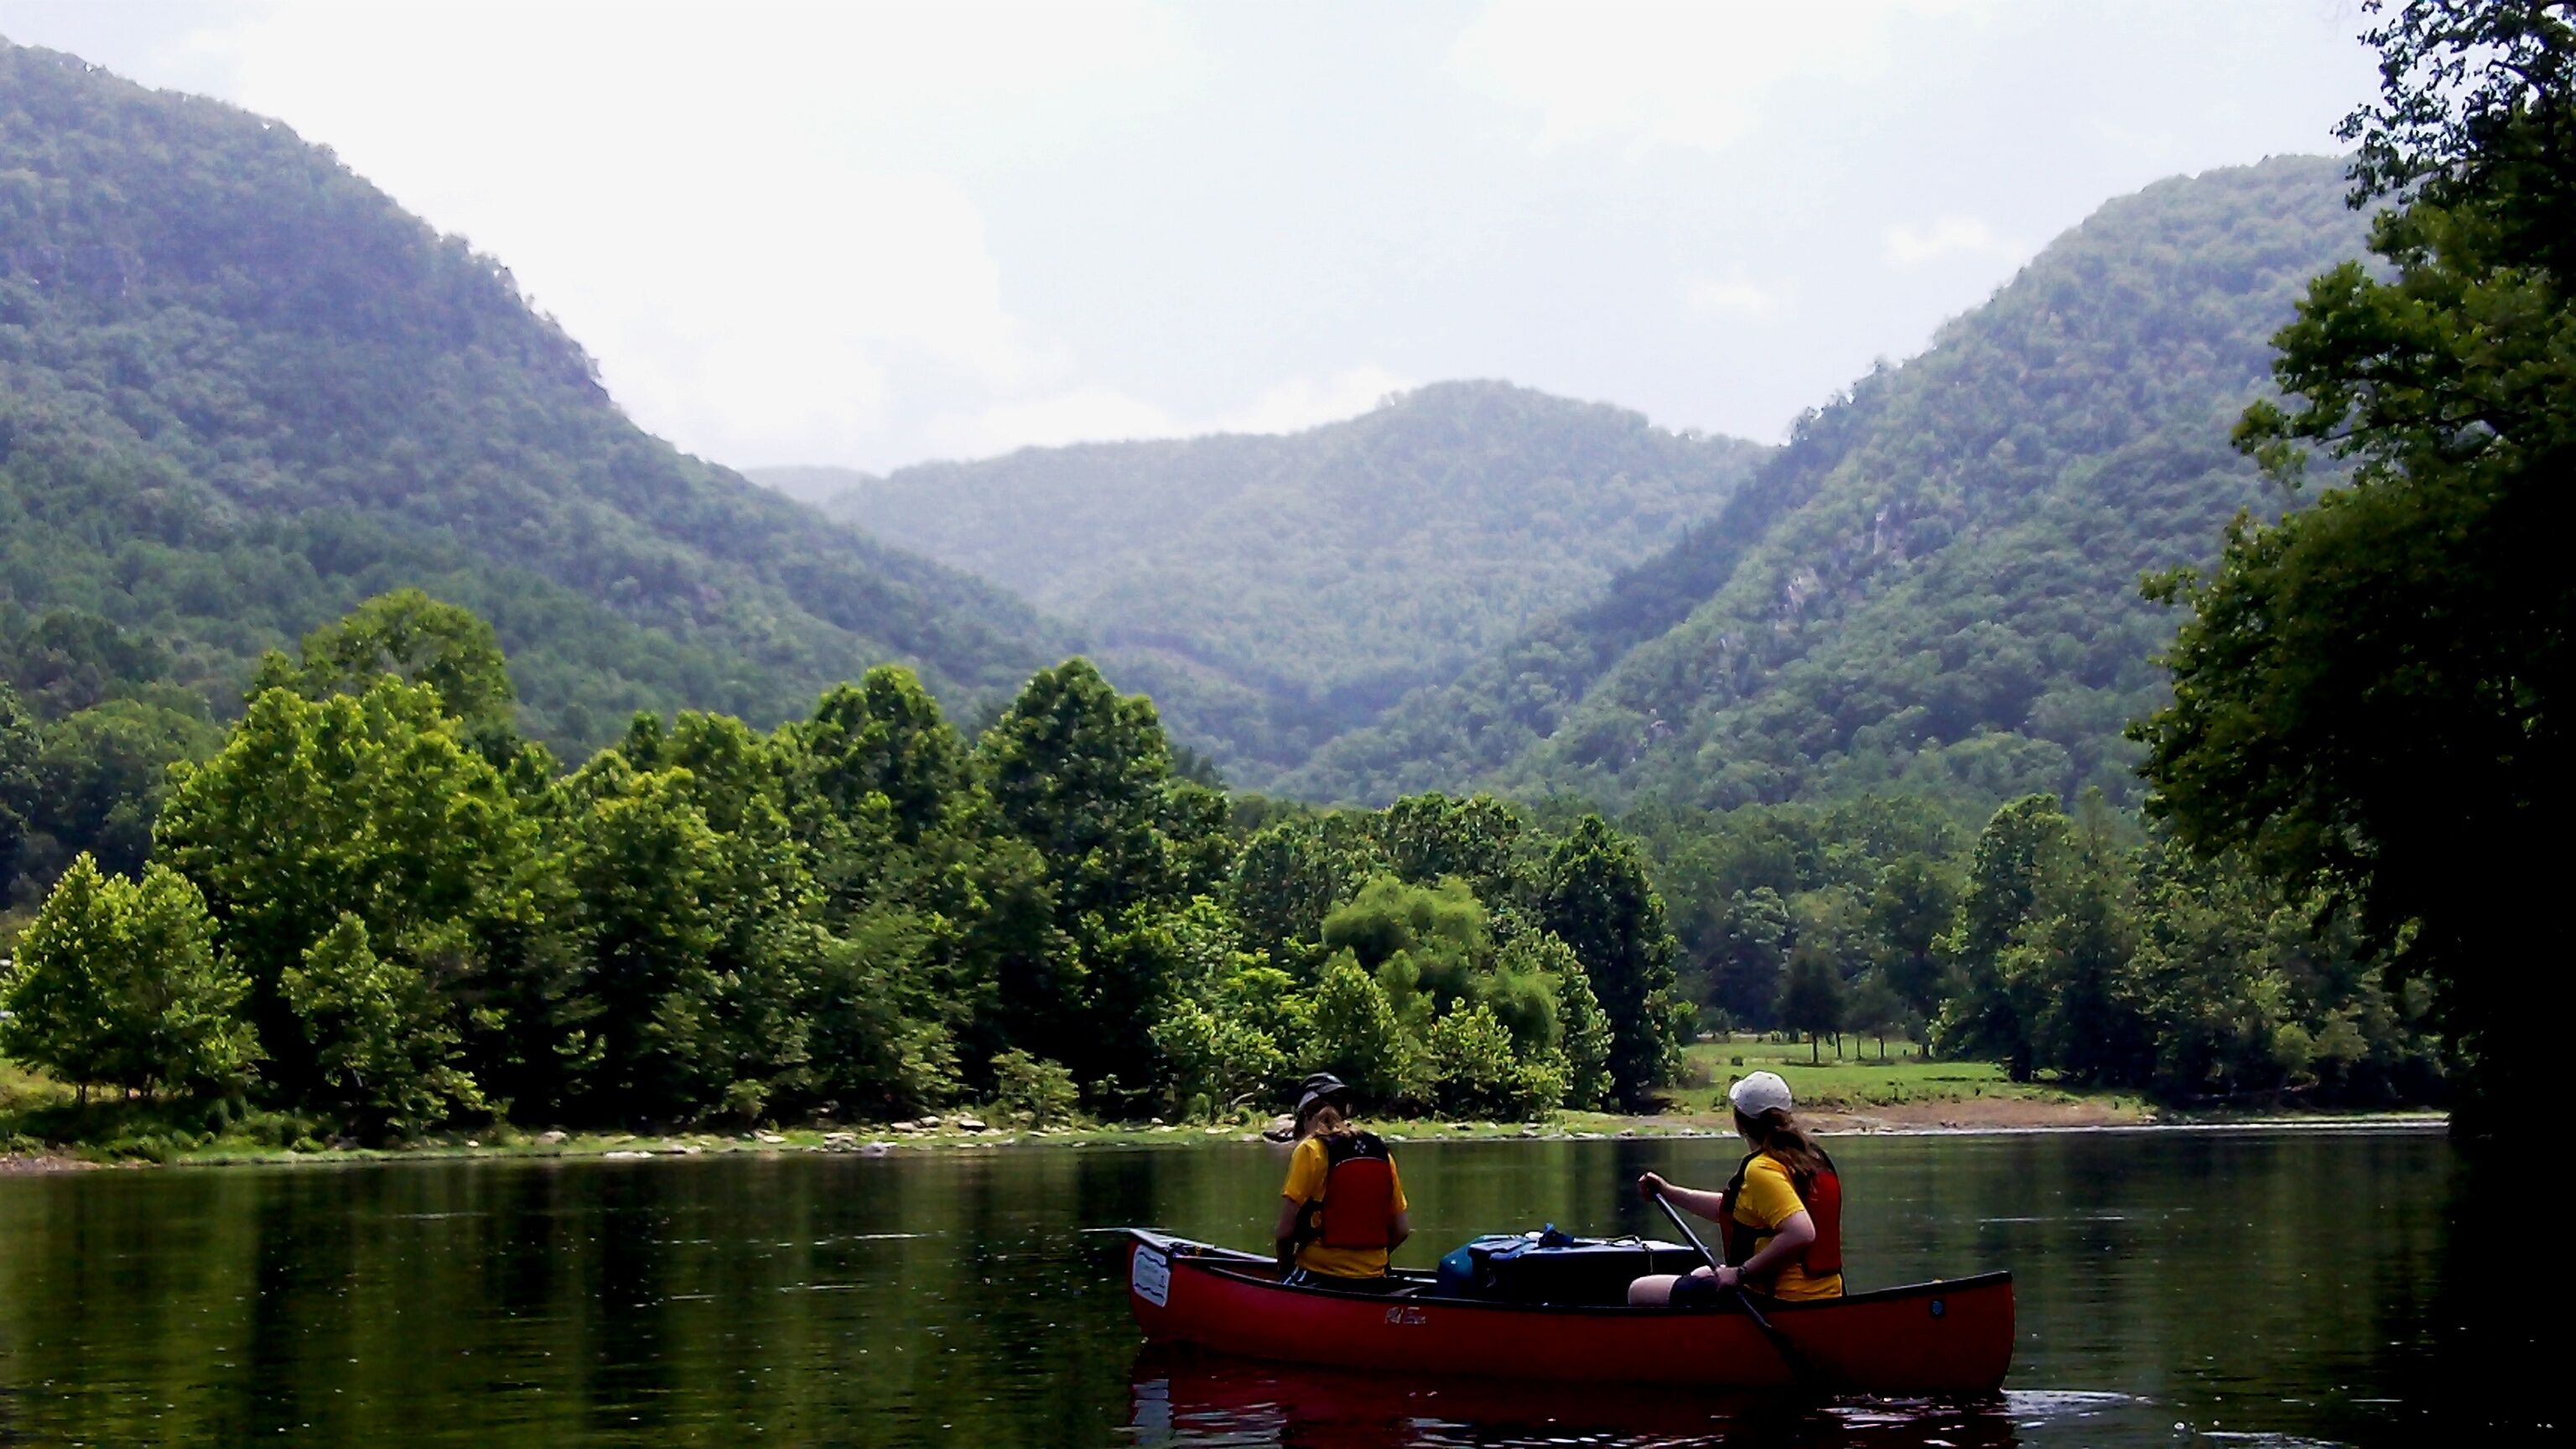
<point x="1180" y="1397"/>
<point x="2184" y="1288"/>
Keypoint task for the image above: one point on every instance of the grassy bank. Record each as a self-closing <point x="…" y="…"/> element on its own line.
<point x="41" y="1128"/>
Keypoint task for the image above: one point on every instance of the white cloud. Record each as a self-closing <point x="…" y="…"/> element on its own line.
<point x="1304" y="402"/>
<point x="1683" y="73"/>
<point x="1079" y="415"/>
<point x="752" y="216"/>
<point x="868" y="234"/>
<point x="1735" y="297"/>
<point x="1101" y="414"/>
<point x="1909" y="247"/>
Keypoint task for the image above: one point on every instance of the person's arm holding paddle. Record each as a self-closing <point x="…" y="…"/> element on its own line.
<point x="1291" y="1213"/>
<point x="1788" y="1241"/>
<point x="1782" y="1211"/>
<point x="1696" y="1201"/>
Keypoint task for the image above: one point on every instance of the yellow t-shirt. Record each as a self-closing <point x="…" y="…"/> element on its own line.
<point x="1766" y="1201"/>
<point x="1306" y="1169"/>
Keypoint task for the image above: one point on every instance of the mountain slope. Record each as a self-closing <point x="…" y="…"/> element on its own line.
<point x="1936" y="581"/>
<point x="239" y="389"/>
<point x="1272" y="592"/>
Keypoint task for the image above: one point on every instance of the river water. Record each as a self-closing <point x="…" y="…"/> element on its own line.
<point x="2175" y="1287"/>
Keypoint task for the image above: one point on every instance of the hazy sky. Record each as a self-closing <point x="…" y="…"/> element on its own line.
<point x="871" y="235"/>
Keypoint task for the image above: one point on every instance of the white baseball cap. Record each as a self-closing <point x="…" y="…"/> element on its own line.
<point x="1759" y="1093"/>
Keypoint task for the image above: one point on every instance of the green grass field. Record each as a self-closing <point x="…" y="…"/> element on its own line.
<point x="1857" y="1079"/>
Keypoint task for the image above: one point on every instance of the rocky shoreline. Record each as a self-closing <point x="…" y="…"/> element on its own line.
<point x="970" y="1133"/>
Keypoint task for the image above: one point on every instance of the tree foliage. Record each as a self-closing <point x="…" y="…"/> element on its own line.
<point x="386" y="1057"/>
<point x="121" y="982"/>
<point x="243" y="391"/>
<point x="2369" y="696"/>
<point x="1599" y="901"/>
<point x="1272" y="592"/>
<point x="1928" y="590"/>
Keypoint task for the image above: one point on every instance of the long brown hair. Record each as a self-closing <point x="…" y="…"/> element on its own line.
<point x="1308" y="1127"/>
<point x="1778" y="1133"/>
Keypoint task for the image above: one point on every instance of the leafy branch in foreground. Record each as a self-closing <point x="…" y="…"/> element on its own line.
<point x="2370" y="695"/>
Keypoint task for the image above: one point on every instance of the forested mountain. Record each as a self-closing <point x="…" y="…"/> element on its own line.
<point x="1936" y="581"/>
<point x="240" y="390"/>
<point x="1273" y="591"/>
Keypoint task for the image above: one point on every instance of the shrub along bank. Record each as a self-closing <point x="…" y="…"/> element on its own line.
<point x="377" y="911"/>
<point x="377" y="914"/>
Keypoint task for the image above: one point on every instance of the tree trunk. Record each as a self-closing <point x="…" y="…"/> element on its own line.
<point x="1813" y="1051"/>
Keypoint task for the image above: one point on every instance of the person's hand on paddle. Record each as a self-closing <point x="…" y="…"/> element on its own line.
<point x="1651" y="1185"/>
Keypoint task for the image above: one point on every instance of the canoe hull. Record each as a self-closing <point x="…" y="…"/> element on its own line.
<point x="1944" y="1338"/>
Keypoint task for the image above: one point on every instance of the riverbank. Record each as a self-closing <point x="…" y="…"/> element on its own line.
<point x="971" y="1135"/>
<point x="1586" y="1127"/>
<point x="1901" y="1093"/>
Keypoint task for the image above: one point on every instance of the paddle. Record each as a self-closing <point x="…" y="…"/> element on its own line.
<point x="1797" y="1362"/>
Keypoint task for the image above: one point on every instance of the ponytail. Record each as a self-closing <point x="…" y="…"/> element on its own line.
<point x="1326" y="1120"/>
<point x="1778" y="1133"/>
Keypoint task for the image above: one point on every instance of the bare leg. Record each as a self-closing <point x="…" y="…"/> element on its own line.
<point x="1652" y="1291"/>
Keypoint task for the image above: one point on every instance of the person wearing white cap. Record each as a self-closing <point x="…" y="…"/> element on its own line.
<point x="1782" y="1211"/>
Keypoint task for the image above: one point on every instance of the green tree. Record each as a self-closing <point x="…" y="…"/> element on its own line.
<point x="1270" y="1001"/>
<point x="649" y="875"/>
<point x="1475" y="1071"/>
<point x="1599" y="902"/>
<point x="1911" y="904"/>
<point x="120" y="981"/>
<point x="18" y="750"/>
<point x="771" y="937"/>
<point x="1583" y="1040"/>
<point x="1357" y="1036"/>
<point x="1981" y="1016"/>
<point x="880" y="790"/>
<point x="1478" y="839"/>
<point x="103" y="772"/>
<point x="378" y="1036"/>
<point x="61" y="1003"/>
<point x="412" y="637"/>
<point x="1085" y="776"/>
<point x="1290" y="875"/>
<point x="1139" y="975"/>
<point x="1754" y="937"/>
<point x="1811" y="996"/>
<point x="878" y="1049"/>
<point x="1214" y="1060"/>
<point x="2371" y="694"/>
<point x="1034" y="1089"/>
<point x="1875" y="1009"/>
<point x="1437" y="933"/>
<point x="370" y="804"/>
<point x="885" y="737"/>
<point x="2197" y="975"/>
<point x="2066" y="967"/>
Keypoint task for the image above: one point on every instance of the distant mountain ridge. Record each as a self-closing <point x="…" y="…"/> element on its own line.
<point x="240" y="389"/>
<point x="1935" y="583"/>
<point x="1272" y="591"/>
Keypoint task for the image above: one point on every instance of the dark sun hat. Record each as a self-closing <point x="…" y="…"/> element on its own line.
<point x="1322" y="1090"/>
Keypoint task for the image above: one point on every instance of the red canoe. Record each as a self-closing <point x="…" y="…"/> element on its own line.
<point x="1940" y="1338"/>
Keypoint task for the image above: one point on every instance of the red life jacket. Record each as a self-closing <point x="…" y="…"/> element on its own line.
<point x="1357" y="1209"/>
<point x="1821" y="1196"/>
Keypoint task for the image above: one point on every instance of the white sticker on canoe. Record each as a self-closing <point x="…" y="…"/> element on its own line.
<point x="1152" y="1277"/>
